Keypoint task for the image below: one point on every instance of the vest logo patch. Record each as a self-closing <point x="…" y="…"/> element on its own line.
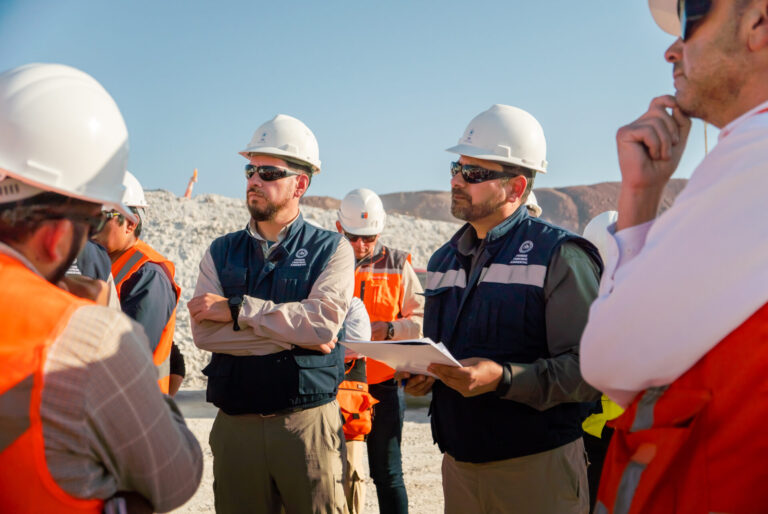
<point x="520" y="258"/>
<point x="526" y="247"/>
<point x="302" y="253"/>
<point x="299" y="260"/>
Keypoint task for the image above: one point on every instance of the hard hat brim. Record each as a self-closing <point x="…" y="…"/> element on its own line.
<point x="478" y="153"/>
<point x="112" y="205"/>
<point x="277" y="152"/>
<point x="665" y="15"/>
<point x="358" y="231"/>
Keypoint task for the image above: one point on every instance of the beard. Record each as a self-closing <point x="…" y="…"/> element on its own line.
<point x="78" y="241"/>
<point x="268" y="211"/>
<point x="463" y="208"/>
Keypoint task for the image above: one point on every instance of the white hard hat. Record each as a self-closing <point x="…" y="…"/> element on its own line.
<point x="285" y="137"/>
<point x="134" y="193"/>
<point x="665" y="15"/>
<point x="507" y="135"/>
<point x="362" y="213"/>
<point x="533" y="205"/>
<point x="60" y="131"/>
<point x="596" y="231"/>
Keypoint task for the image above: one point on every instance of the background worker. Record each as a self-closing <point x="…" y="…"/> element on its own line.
<point x="269" y="303"/>
<point x="144" y="279"/>
<point x="356" y="405"/>
<point x="388" y="286"/>
<point x="80" y="414"/>
<point x="508" y="295"/>
<point x="678" y="333"/>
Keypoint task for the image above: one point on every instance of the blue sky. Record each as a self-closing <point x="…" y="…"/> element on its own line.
<point x="385" y="86"/>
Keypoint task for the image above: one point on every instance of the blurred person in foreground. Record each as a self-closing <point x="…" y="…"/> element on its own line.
<point x="269" y="304"/>
<point x="83" y="427"/>
<point x="508" y="295"/>
<point x="678" y="332"/>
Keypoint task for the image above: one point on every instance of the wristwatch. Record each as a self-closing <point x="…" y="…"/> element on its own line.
<point x="235" y="303"/>
<point x="390" y="331"/>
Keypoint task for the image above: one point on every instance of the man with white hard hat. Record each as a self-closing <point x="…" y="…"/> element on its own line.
<point x="269" y="304"/>
<point x="508" y="295"/>
<point x="388" y="286"/>
<point x="144" y="279"/>
<point x="677" y="334"/>
<point x="81" y="418"/>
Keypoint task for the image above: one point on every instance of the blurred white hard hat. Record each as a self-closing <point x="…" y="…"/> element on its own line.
<point x="505" y="134"/>
<point x="596" y="231"/>
<point x="666" y="16"/>
<point x="362" y="213"/>
<point x="134" y="193"/>
<point x="533" y="205"/>
<point x="287" y="138"/>
<point x="60" y="131"/>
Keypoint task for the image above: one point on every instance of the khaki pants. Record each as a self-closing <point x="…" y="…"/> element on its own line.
<point x="551" y="482"/>
<point x="294" y="461"/>
<point x="354" y="483"/>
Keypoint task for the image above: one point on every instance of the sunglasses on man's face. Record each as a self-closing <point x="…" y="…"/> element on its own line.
<point x="268" y="173"/>
<point x="355" y="238"/>
<point x="691" y="14"/>
<point x="476" y="174"/>
<point x="95" y="222"/>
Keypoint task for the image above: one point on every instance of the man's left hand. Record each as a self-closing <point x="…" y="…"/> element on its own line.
<point x="209" y="307"/>
<point x="379" y="330"/>
<point x="476" y="376"/>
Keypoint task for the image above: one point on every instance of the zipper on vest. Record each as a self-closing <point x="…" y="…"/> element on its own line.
<point x="362" y="290"/>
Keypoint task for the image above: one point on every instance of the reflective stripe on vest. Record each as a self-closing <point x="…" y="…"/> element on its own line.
<point x="34" y="314"/>
<point x="122" y="269"/>
<point x="379" y="284"/>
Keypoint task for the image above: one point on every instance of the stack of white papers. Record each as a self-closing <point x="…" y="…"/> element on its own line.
<point x="412" y="355"/>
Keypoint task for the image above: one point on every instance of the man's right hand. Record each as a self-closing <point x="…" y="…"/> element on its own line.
<point x="86" y="287"/>
<point x="415" y="385"/>
<point x="649" y="150"/>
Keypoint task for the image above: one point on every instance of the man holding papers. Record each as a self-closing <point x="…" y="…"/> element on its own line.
<point x="508" y="295"/>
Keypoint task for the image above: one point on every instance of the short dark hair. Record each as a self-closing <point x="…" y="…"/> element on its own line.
<point x="528" y="173"/>
<point x="20" y="219"/>
<point x="139" y="225"/>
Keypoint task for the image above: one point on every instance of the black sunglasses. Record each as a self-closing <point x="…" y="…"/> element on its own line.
<point x="476" y="174"/>
<point x="95" y="222"/>
<point x="354" y="238"/>
<point x="268" y="173"/>
<point x="691" y="14"/>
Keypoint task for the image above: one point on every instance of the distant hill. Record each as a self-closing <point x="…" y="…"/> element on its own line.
<point x="570" y="207"/>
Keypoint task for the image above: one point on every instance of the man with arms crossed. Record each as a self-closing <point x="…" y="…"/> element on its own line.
<point x="269" y="303"/>
<point x="508" y="296"/>
<point x="679" y="330"/>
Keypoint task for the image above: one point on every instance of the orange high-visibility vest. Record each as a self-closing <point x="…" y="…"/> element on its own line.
<point x="122" y="269"/>
<point x="355" y="401"/>
<point x="700" y="444"/>
<point x="379" y="284"/>
<point x="34" y="314"/>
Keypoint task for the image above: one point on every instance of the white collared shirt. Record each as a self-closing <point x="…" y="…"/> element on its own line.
<point x="675" y="287"/>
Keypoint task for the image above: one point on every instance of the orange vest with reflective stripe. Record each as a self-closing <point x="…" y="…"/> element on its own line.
<point x="122" y="269"/>
<point x="700" y="444"/>
<point x="355" y="401"/>
<point x="379" y="284"/>
<point x="34" y="313"/>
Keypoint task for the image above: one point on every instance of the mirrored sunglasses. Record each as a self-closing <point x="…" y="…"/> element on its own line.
<point x="476" y="174"/>
<point x="691" y="14"/>
<point x="355" y="238"/>
<point x="268" y="173"/>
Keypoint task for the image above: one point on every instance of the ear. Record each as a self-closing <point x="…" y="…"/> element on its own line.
<point x="130" y="226"/>
<point x="516" y="187"/>
<point x="338" y="227"/>
<point x="302" y="183"/>
<point x="53" y="236"/>
<point x="756" y="19"/>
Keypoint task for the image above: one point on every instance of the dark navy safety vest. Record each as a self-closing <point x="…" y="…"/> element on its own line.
<point x="497" y="313"/>
<point x="291" y="379"/>
<point x="93" y="261"/>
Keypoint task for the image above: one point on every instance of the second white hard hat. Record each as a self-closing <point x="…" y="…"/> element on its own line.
<point x="362" y="213"/>
<point x="134" y="193"/>
<point x="505" y="134"/>
<point x="596" y="231"/>
<point x="60" y="131"/>
<point x="533" y="205"/>
<point x="285" y="137"/>
<point x="665" y="15"/>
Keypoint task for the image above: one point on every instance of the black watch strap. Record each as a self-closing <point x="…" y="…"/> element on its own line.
<point x="235" y="303"/>
<point x="506" y="380"/>
<point x="390" y="331"/>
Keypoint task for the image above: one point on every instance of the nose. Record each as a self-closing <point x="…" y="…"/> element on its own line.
<point x="457" y="181"/>
<point x="675" y="51"/>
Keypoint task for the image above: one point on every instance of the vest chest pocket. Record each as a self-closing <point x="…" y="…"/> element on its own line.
<point x="498" y="323"/>
<point x="434" y="309"/>
<point x="290" y="285"/>
<point x="234" y="281"/>
<point x="380" y="299"/>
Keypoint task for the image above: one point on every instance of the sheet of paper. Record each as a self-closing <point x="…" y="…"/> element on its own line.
<point x="412" y="355"/>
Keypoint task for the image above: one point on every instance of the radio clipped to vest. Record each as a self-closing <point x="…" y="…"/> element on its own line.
<point x="355" y="401"/>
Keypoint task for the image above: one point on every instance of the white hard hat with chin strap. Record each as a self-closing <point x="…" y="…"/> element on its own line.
<point x="666" y="16"/>
<point x="287" y="138"/>
<point x="361" y="213"/>
<point x="507" y="135"/>
<point x="61" y="132"/>
<point x="134" y="193"/>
